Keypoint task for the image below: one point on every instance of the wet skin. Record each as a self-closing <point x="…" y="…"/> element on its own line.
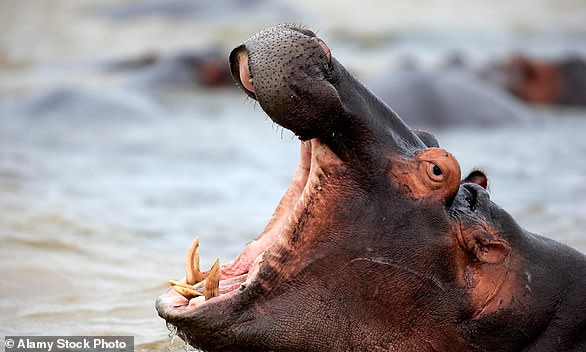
<point x="377" y="244"/>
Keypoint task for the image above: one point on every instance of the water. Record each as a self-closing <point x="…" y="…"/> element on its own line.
<point x="97" y="215"/>
<point x="97" y="207"/>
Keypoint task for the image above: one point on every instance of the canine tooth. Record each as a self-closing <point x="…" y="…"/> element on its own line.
<point x="192" y="272"/>
<point x="212" y="288"/>
<point x="180" y="284"/>
<point x="186" y="292"/>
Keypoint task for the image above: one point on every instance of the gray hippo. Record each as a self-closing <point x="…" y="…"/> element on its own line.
<point x="448" y="98"/>
<point x="142" y="75"/>
<point x="84" y="103"/>
<point x="377" y="245"/>
<point x="205" y="68"/>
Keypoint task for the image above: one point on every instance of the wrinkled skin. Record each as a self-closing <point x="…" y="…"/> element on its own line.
<point x="377" y="245"/>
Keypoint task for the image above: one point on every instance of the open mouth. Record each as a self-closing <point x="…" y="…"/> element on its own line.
<point x="221" y="282"/>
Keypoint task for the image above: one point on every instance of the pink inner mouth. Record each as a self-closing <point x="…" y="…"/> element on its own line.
<point x="243" y="269"/>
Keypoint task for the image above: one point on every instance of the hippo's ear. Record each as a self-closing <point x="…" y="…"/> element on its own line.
<point x="478" y="177"/>
<point x="483" y="246"/>
<point x="427" y="138"/>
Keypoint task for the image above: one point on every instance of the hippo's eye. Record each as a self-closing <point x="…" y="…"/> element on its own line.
<point x="435" y="172"/>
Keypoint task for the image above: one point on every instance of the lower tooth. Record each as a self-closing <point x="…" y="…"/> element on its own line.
<point x="186" y="292"/>
<point x="212" y="287"/>
<point x="180" y="284"/>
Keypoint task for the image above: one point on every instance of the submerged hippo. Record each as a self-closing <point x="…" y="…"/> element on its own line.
<point x="377" y="244"/>
<point x="426" y="99"/>
<point x="557" y="82"/>
<point x="182" y="69"/>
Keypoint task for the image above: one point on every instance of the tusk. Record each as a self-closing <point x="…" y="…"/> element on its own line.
<point x="187" y="292"/>
<point x="192" y="272"/>
<point x="212" y="288"/>
<point x="181" y="284"/>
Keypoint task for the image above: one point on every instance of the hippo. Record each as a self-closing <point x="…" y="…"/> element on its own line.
<point x="144" y="74"/>
<point x="378" y="244"/>
<point x="204" y="68"/>
<point x="84" y="103"/>
<point x="560" y="82"/>
<point x="448" y="98"/>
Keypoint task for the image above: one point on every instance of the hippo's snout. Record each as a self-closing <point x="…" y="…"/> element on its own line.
<point x="297" y="82"/>
<point x="241" y="70"/>
<point x="287" y="70"/>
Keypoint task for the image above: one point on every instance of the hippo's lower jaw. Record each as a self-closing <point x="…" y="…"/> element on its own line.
<point x="246" y="275"/>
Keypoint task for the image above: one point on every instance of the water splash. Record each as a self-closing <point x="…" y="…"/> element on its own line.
<point x="172" y="331"/>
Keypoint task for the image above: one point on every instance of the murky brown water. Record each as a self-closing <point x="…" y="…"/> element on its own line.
<point x="96" y="210"/>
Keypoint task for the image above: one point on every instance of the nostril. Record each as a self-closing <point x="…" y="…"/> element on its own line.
<point x="472" y="196"/>
<point x="240" y="70"/>
<point x="326" y="50"/>
<point x="245" y="77"/>
<point x="478" y="195"/>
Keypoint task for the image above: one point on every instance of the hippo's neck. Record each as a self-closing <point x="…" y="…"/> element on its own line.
<point x="562" y="289"/>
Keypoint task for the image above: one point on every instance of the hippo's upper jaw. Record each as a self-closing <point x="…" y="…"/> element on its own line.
<point x="298" y="83"/>
<point x="374" y="246"/>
